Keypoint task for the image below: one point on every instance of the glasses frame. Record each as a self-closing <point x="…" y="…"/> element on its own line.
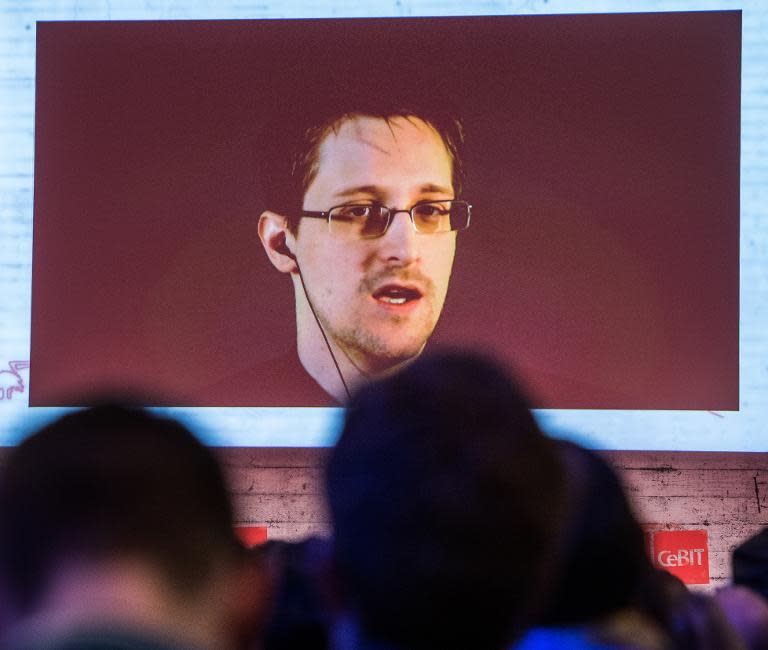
<point x="391" y="212"/>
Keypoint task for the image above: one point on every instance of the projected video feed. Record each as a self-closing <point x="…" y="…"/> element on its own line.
<point x="226" y="211"/>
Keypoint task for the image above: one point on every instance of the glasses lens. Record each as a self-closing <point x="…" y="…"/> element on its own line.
<point x="359" y="221"/>
<point x="441" y="216"/>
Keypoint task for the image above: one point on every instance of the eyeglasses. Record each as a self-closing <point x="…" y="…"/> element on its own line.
<point x="371" y="220"/>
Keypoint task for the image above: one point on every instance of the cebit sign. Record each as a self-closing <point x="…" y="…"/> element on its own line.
<point x="683" y="557"/>
<point x="251" y="536"/>
<point x="684" y="553"/>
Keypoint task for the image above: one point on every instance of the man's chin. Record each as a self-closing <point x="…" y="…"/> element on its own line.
<point x="384" y="361"/>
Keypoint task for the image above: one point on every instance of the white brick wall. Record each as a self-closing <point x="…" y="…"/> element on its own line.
<point x="282" y="490"/>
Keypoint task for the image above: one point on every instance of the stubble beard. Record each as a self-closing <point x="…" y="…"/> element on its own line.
<point x="391" y="339"/>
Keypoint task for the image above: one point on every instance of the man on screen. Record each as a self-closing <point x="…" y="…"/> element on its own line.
<point x="363" y="214"/>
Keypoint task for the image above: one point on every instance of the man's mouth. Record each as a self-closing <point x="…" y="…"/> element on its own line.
<point x="395" y="294"/>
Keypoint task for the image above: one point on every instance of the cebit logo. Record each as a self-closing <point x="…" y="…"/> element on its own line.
<point x="681" y="557"/>
<point x="684" y="553"/>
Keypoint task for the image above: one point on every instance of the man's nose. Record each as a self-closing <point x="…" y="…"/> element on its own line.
<point x="399" y="243"/>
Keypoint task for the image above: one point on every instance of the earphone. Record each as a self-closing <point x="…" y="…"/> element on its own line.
<point x="284" y="250"/>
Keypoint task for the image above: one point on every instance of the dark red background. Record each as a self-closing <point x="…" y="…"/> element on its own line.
<point x="603" y="161"/>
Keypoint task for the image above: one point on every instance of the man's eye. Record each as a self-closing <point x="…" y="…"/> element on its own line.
<point x="428" y="210"/>
<point x="354" y="211"/>
<point x="361" y="211"/>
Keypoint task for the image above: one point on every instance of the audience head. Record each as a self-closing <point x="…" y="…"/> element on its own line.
<point x="750" y="563"/>
<point x="695" y="620"/>
<point x="604" y="564"/>
<point x="606" y="582"/>
<point x="445" y="497"/>
<point x="107" y="493"/>
<point x="747" y="612"/>
<point x="301" y="613"/>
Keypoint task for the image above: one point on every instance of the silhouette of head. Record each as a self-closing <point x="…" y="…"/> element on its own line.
<point x="111" y="482"/>
<point x="444" y="496"/>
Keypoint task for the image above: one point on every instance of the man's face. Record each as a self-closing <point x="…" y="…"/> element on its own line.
<point x="378" y="299"/>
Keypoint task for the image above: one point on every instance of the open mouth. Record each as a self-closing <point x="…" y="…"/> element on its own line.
<point x="392" y="294"/>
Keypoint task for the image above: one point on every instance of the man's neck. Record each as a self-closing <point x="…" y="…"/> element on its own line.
<point x="123" y="596"/>
<point x="327" y="364"/>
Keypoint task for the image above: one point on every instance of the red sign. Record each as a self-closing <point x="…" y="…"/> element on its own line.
<point x="251" y="536"/>
<point x="684" y="553"/>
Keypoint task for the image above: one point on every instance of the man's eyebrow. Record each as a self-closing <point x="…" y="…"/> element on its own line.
<point x="373" y="190"/>
<point x="379" y="192"/>
<point x="431" y="188"/>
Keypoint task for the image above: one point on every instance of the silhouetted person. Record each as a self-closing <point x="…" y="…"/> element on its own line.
<point x="116" y="532"/>
<point x="745" y="603"/>
<point x="747" y="612"/>
<point x="603" y="566"/>
<point x="445" y="497"/>
<point x="607" y="594"/>
<point x="750" y="563"/>
<point x="301" y="610"/>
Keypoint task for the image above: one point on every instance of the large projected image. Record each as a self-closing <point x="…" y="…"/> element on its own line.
<point x="267" y="213"/>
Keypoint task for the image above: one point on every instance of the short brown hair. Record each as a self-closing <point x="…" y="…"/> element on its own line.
<point x="290" y="143"/>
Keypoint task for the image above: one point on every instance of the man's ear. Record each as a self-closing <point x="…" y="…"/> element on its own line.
<point x="278" y="241"/>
